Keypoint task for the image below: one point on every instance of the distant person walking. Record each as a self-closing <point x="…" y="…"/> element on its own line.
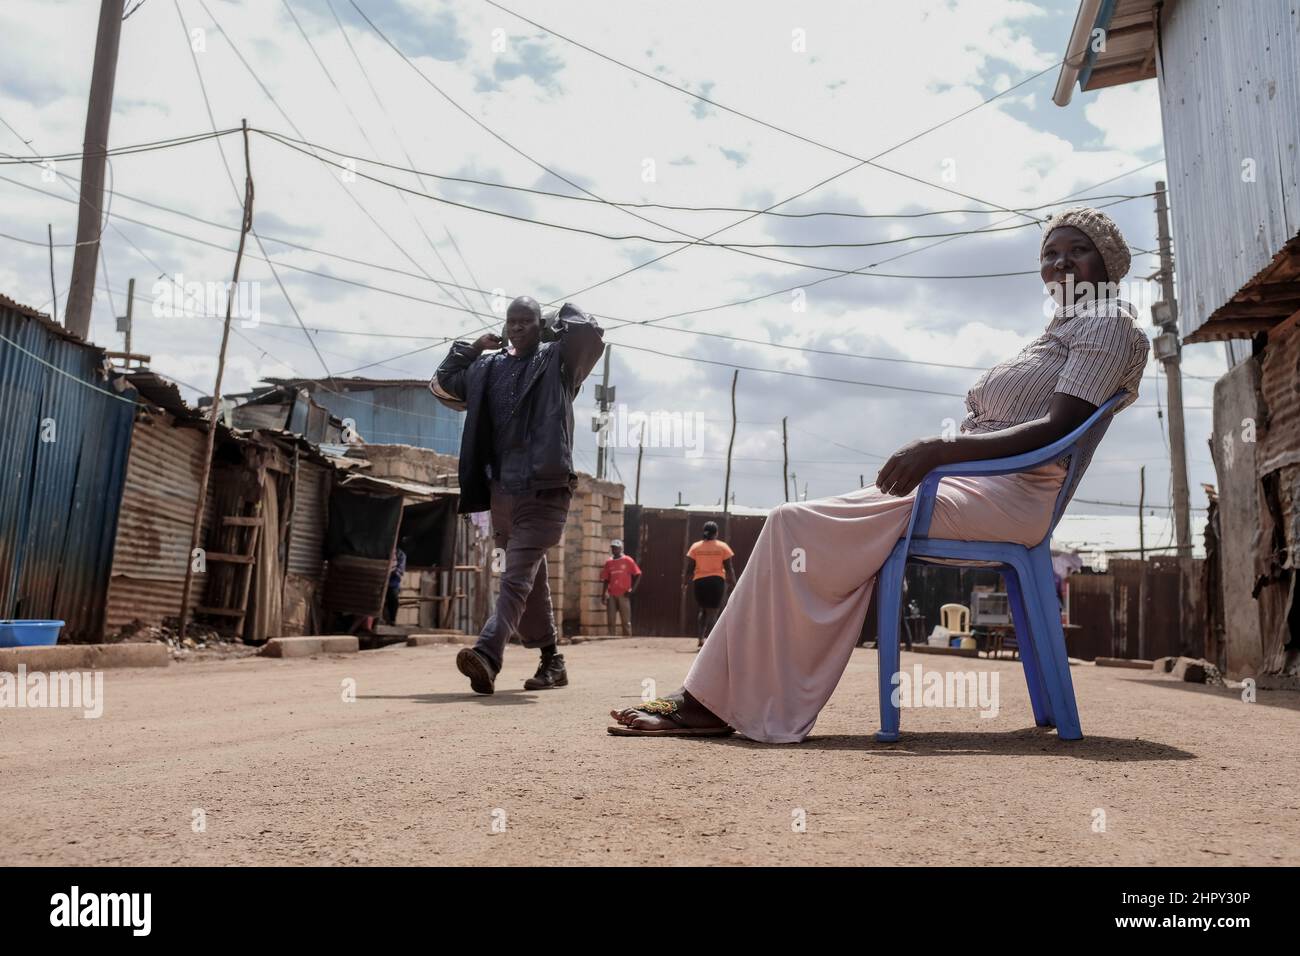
<point x="708" y="565"/>
<point x="516" y="459"/>
<point x="619" y="579"/>
<point x="393" y="594"/>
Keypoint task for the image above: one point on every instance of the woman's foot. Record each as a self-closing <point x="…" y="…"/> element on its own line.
<point x="689" y="714"/>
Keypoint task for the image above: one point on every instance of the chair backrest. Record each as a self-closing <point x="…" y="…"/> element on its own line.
<point x="1081" y="452"/>
<point x="955" y="617"/>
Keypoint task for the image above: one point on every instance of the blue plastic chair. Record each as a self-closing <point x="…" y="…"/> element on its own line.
<point x="1031" y="588"/>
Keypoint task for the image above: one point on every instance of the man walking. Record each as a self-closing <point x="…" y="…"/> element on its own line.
<point x="516" y="459"/>
<point x="619" y="578"/>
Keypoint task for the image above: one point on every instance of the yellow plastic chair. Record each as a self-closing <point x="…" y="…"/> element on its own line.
<point x="956" y="618"/>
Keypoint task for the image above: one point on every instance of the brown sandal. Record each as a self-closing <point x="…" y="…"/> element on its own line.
<point x="665" y="707"/>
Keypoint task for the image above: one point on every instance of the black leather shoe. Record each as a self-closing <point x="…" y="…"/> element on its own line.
<point x="482" y="678"/>
<point x="550" y="673"/>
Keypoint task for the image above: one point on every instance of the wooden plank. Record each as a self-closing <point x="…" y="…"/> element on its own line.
<point x="230" y="558"/>
<point x="219" y="611"/>
<point x="235" y="521"/>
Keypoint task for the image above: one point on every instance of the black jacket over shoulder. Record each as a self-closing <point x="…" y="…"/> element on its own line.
<point x="539" y="443"/>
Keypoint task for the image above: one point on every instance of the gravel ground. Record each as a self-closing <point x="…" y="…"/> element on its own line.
<point x="279" y="769"/>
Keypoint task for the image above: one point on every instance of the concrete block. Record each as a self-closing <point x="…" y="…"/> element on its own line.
<point x="1134" y="664"/>
<point x="1163" y="665"/>
<point x="82" y="657"/>
<point x="431" y="638"/>
<point x="285" y="647"/>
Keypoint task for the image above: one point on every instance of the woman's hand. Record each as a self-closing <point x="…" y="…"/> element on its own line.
<point x="906" y="467"/>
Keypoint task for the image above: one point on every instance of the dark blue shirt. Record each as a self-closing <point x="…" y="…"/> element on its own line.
<point x="508" y="376"/>
<point x="399" y="569"/>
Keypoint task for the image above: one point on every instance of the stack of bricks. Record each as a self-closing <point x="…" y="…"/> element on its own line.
<point x="599" y="520"/>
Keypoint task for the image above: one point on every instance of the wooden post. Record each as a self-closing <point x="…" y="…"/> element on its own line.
<point x="197" y="530"/>
<point x="1142" y="496"/>
<point x="726" y="489"/>
<point x="49" y="231"/>
<point x="1142" y="566"/>
<point x="639" y="452"/>
<point x="99" y="110"/>
<point x="602" y="436"/>
<point x="785" y="458"/>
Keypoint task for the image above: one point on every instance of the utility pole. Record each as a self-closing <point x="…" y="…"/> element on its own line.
<point x="600" y="424"/>
<point x="785" y="458"/>
<point x="1168" y="349"/>
<point x="76" y="318"/>
<point x="126" y="322"/>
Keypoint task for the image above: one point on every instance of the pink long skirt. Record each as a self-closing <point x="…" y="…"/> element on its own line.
<point x="778" y="649"/>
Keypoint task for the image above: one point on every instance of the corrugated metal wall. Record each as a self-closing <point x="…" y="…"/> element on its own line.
<point x="397" y="415"/>
<point x="63" y="451"/>
<point x="1230" y="93"/>
<point x="157" y="514"/>
<point x="307" y="526"/>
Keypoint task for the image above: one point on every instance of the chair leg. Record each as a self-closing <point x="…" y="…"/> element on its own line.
<point x="889" y="599"/>
<point x="1038" y="698"/>
<point x="1049" y="642"/>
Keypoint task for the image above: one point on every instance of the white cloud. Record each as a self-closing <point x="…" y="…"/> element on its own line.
<point x="1128" y="116"/>
<point x="871" y="77"/>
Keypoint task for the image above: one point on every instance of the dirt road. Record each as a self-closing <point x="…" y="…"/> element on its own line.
<point x="279" y="769"/>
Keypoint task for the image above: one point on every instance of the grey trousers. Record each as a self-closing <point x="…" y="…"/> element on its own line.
<point x="524" y="526"/>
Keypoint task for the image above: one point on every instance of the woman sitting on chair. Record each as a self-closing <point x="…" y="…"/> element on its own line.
<point x="780" y="646"/>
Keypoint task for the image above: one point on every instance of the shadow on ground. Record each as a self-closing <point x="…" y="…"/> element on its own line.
<point x="1033" y="742"/>
<point x="501" y="697"/>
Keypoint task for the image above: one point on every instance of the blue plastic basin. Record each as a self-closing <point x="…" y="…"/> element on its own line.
<point x="29" y="633"/>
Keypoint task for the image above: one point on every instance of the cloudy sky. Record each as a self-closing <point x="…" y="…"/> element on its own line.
<point x="478" y="93"/>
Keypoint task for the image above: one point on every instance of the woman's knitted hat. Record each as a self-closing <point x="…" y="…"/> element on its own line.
<point x="1103" y="232"/>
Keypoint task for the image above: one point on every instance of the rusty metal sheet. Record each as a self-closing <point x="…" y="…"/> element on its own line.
<point x="355" y="585"/>
<point x="1279" y="443"/>
<point x="154" y="527"/>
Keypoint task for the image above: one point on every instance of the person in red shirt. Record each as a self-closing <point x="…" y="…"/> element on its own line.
<point x="708" y="564"/>
<point x="619" y="579"/>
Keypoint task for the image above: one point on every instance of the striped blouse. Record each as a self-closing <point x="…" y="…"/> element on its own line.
<point x="1090" y="350"/>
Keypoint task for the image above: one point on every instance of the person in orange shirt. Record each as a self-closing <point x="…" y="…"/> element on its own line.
<point x="708" y="564"/>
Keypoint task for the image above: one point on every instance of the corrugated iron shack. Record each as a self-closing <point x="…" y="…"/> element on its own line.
<point x="386" y="411"/>
<point x="63" y="454"/>
<point x="1229" y="82"/>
